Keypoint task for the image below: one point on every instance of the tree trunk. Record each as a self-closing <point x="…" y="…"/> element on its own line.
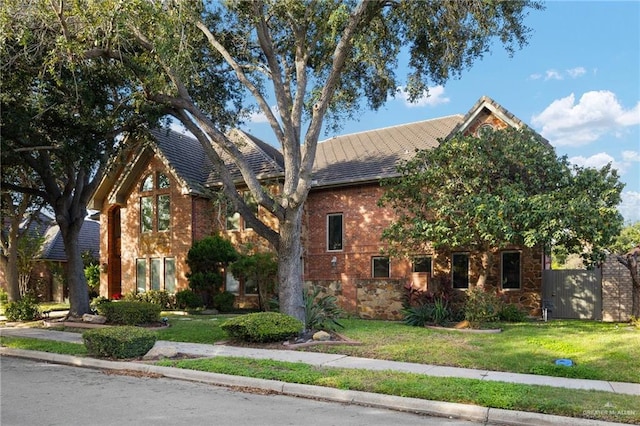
<point x="11" y="275"/>
<point x="290" y="265"/>
<point x="630" y="261"/>
<point x="486" y="263"/>
<point x="78" y="288"/>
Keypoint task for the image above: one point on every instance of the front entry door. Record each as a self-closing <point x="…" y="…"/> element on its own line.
<point x="114" y="261"/>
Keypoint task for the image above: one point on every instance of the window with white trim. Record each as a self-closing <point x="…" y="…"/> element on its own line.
<point x="423" y="264"/>
<point x="334" y="231"/>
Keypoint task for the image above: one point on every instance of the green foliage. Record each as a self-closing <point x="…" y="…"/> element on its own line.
<point x="158" y="297"/>
<point x="96" y="302"/>
<point x="224" y="301"/>
<point x="188" y="299"/>
<point x="4" y="297"/>
<point x="436" y="312"/>
<point x="628" y="238"/>
<point x="262" y="269"/>
<point x="130" y="313"/>
<point x="481" y="307"/>
<point x="527" y="196"/>
<point x="206" y="259"/>
<point x="92" y="274"/>
<point x="25" y="309"/>
<point x="512" y="313"/>
<point x="119" y="342"/>
<point x="262" y="327"/>
<point x="321" y="312"/>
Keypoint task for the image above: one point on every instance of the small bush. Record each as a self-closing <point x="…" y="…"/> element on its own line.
<point x="130" y="313"/>
<point x="25" y="309"/>
<point x="262" y="327"/>
<point x="322" y="313"/>
<point x="159" y="297"/>
<point x="224" y="301"/>
<point x="119" y="342"/>
<point x="512" y="313"/>
<point x="481" y="307"/>
<point x="188" y="299"/>
<point x="418" y="316"/>
<point x="96" y="302"/>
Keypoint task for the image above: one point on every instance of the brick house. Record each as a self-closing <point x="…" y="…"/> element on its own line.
<point x="161" y="199"/>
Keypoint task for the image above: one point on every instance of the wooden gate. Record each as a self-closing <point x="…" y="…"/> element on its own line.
<point x="573" y="293"/>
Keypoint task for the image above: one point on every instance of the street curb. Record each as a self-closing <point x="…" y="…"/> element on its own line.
<point x="414" y="405"/>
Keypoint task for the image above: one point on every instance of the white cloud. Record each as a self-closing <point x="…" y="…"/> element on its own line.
<point x="433" y="97"/>
<point x="629" y="208"/>
<point x="535" y="76"/>
<point x="260" y="117"/>
<point x="631" y="156"/>
<point x="567" y="123"/>
<point x="596" y="161"/>
<point x="552" y="75"/>
<point x="576" y="72"/>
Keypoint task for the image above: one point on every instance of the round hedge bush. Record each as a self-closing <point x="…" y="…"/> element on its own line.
<point x="262" y="327"/>
<point x="119" y="342"/>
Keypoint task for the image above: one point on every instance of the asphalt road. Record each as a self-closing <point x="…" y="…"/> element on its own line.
<point x="37" y="393"/>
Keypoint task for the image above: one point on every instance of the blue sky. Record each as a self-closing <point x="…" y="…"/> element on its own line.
<point x="577" y="83"/>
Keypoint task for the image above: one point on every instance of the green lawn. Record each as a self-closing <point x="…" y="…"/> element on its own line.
<point x="601" y="351"/>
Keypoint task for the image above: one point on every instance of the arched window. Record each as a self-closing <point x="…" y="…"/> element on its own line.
<point x="147" y="183"/>
<point x="163" y="181"/>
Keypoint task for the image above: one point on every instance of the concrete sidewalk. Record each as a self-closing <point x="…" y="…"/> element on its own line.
<point x="469" y="412"/>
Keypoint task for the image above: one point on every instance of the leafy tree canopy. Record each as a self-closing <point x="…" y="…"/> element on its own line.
<point x="503" y="188"/>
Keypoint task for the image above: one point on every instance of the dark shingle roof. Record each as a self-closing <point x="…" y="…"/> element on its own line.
<point x="373" y="154"/>
<point x="88" y="240"/>
<point x="187" y="157"/>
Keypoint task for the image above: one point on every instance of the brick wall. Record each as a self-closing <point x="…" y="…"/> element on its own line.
<point x="616" y="291"/>
<point x="350" y="280"/>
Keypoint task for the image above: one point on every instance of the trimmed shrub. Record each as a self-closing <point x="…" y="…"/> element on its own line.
<point x="130" y="313"/>
<point x="159" y="297"/>
<point x="224" y="301"/>
<point x="481" y="307"/>
<point x="512" y="313"/>
<point x="188" y="299"/>
<point x="262" y="327"/>
<point x="96" y="302"/>
<point x="25" y="309"/>
<point x="119" y="342"/>
<point x="418" y="316"/>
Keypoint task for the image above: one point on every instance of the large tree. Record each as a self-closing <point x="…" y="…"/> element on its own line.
<point x="315" y="60"/>
<point x="60" y="120"/>
<point x="502" y="188"/>
<point x="627" y="247"/>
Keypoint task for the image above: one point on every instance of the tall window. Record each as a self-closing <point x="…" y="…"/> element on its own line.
<point x="334" y="232"/>
<point x="170" y="274"/>
<point x="161" y="273"/>
<point x="155" y="203"/>
<point x="141" y="275"/>
<point x="511" y="276"/>
<point x="235" y="286"/>
<point x="460" y="270"/>
<point x="422" y="264"/>
<point x="380" y="267"/>
<point x="235" y="222"/>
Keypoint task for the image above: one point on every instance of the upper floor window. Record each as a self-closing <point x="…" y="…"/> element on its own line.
<point x="510" y="271"/>
<point x="235" y="222"/>
<point x="380" y="267"/>
<point x="334" y="232"/>
<point x="423" y="264"/>
<point x="460" y="270"/>
<point x="147" y="183"/>
<point x="155" y="207"/>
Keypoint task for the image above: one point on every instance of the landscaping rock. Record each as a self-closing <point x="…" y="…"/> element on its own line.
<point x="463" y="324"/>
<point x="161" y="352"/>
<point x="94" y="319"/>
<point x="322" y="336"/>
